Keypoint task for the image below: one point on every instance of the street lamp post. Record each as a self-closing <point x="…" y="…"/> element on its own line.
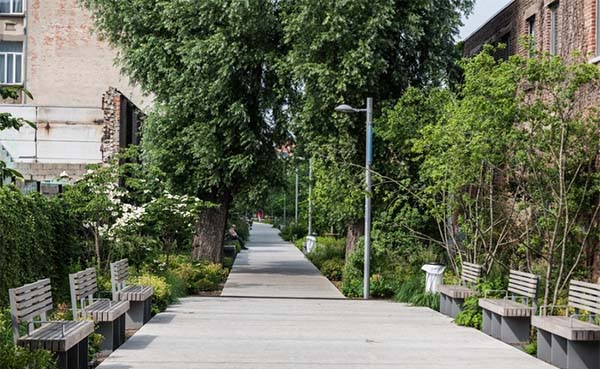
<point x="310" y="177"/>
<point x="296" y="206"/>
<point x="368" y="160"/>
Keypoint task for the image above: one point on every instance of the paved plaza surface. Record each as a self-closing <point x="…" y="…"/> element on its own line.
<point x="296" y="319"/>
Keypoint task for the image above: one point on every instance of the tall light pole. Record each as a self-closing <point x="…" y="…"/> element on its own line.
<point x="310" y="232"/>
<point x="296" y="206"/>
<point x="368" y="159"/>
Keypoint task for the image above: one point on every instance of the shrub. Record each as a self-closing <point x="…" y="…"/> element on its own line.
<point x="39" y="238"/>
<point x="327" y="248"/>
<point x="199" y="277"/>
<point x="162" y="290"/>
<point x="12" y="357"/>
<point x="333" y="269"/>
<point x="293" y="232"/>
<point x="472" y="315"/>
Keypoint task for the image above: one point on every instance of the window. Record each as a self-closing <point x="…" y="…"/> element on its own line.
<point x="531" y="34"/>
<point x="11" y="63"/>
<point x="554" y="29"/>
<point x="11" y="6"/>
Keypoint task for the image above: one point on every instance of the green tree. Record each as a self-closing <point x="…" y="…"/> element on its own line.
<point x="345" y="51"/>
<point x="8" y="121"/>
<point x="211" y="66"/>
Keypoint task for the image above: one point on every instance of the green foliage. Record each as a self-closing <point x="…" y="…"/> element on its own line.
<point x="199" y="277"/>
<point x="333" y="269"/>
<point x="472" y="315"/>
<point x="163" y="295"/>
<point x="293" y="232"/>
<point x="12" y="357"/>
<point x="328" y="248"/>
<point x="39" y="238"/>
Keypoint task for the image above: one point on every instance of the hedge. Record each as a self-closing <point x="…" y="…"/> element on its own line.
<point x="39" y="238"/>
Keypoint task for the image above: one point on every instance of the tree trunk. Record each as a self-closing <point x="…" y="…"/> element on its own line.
<point x="210" y="231"/>
<point x="354" y="230"/>
<point x="97" y="247"/>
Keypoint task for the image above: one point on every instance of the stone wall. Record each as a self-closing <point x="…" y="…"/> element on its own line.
<point x="111" y="104"/>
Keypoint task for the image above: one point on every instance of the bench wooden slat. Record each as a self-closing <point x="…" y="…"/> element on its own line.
<point x="585" y="296"/>
<point x="31" y="300"/>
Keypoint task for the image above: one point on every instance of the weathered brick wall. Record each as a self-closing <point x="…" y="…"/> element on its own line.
<point x="492" y="31"/>
<point x="67" y="65"/>
<point x="577" y="27"/>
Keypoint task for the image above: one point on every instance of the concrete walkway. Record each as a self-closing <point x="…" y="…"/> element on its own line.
<point x="277" y="333"/>
<point x="274" y="268"/>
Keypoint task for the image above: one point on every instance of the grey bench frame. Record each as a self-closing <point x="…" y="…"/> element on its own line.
<point x="509" y="319"/>
<point x="452" y="297"/>
<point x="67" y="339"/>
<point x="139" y="297"/>
<point x="565" y="341"/>
<point x="109" y="315"/>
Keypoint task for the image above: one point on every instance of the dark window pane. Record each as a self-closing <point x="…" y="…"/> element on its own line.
<point x="5" y="6"/>
<point x="18" y="69"/>
<point x="11" y="47"/>
<point x="2" y="66"/>
<point x="10" y="68"/>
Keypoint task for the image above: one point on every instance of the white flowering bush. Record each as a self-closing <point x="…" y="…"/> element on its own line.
<point x="128" y="213"/>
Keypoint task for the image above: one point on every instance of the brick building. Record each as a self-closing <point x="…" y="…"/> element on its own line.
<point x="559" y="27"/>
<point x="84" y="108"/>
<point x="568" y="28"/>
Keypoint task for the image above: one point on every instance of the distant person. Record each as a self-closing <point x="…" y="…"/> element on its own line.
<point x="259" y="215"/>
<point x="235" y="236"/>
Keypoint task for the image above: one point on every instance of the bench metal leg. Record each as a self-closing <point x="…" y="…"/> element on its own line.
<point x="583" y="355"/>
<point x="113" y="333"/>
<point x="515" y="330"/>
<point x="456" y="307"/>
<point x="139" y="313"/>
<point x="487" y="322"/>
<point x="75" y="358"/>
<point x="443" y="308"/>
<point x="496" y="326"/>
<point x="544" y="346"/>
<point x="558" y="352"/>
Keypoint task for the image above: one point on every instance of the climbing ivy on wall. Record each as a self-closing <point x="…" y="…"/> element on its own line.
<point x="39" y="238"/>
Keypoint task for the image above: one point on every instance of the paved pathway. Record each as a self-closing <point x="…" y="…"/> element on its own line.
<point x="274" y="268"/>
<point x="279" y="333"/>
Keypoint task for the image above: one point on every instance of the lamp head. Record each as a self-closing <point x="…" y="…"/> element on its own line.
<point x="345" y="109"/>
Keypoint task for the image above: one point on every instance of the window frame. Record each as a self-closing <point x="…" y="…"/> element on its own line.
<point x="12" y="8"/>
<point x="554" y="28"/>
<point x="531" y="34"/>
<point x="4" y="73"/>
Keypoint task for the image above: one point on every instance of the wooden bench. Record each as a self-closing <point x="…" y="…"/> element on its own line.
<point x="310" y="244"/>
<point x="452" y="297"/>
<point x="139" y="297"/>
<point x="566" y="341"/>
<point x="67" y="339"/>
<point x="109" y="315"/>
<point x="509" y="318"/>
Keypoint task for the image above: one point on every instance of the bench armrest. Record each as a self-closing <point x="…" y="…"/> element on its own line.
<point x="489" y="291"/>
<point x="62" y="324"/>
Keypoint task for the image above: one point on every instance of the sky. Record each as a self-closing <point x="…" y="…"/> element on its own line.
<point x="483" y="10"/>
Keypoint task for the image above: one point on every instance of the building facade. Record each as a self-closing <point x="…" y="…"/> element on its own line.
<point x="561" y="27"/>
<point x="568" y="28"/>
<point x="80" y="102"/>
